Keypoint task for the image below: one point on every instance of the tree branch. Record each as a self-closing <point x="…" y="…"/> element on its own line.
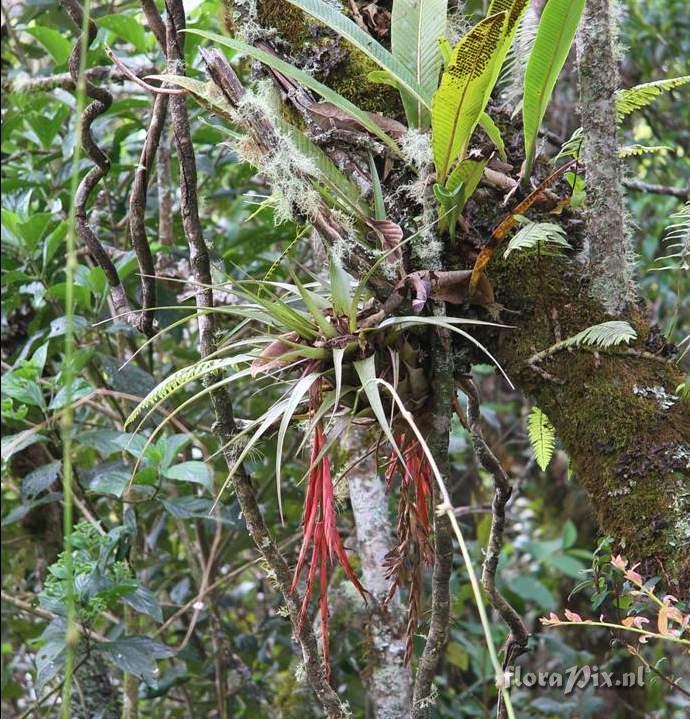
<point x="682" y="193"/>
<point x="517" y="641"/>
<point x="101" y="101"/>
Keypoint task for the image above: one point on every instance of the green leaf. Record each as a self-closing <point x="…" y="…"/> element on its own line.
<point x="127" y="27"/>
<point x="346" y="28"/>
<point x="640" y="96"/>
<point x="463" y="92"/>
<point x="340" y="287"/>
<point x="366" y="371"/>
<point x="296" y="396"/>
<point x="192" y="471"/>
<point x="532" y="591"/>
<point x="306" y="80"/>
<point x="569" y="534"/>
<point x="493" y="133"/>
<point x="416" y="27"/>
<point x="564" y="563"/>
<point x="53" y="41"/>
<point x="515" y="9"/>
<point x="605" y="334"/>
<point x="136" y="655"/>
<point x="542" y="437"/>
<point x="144" y="601"/>
<point x="112" y="482"/>
<point x="465" y="177"/>
<point x="555" y="35"/>
<point x="379" y="207"/>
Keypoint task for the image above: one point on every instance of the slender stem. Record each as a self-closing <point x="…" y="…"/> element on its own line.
<point x="67" y="420"/>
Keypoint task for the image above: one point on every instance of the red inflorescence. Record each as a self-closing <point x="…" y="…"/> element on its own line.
<point x="321" y="534"/>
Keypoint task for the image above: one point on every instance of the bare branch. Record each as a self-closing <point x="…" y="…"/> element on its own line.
<point x="682" y="193"/>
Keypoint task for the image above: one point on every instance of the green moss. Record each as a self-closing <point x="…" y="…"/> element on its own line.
<point x="621" y="444"/>
<point x="290" y="22"/>
<point x="352" y="82"/>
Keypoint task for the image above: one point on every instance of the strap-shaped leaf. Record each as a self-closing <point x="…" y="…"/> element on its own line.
<point x="305" y="79"/>
<point x="494" y="134"/>
<point x="462" y="95"/>
<point x="329" y="16"/>
<point x="555" y="35"/>
<point x="515" y="9"/>
<point x="416" y="26"/>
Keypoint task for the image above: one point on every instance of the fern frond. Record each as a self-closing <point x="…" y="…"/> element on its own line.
<point x="537" y="234"/>
<point x="542" y="437"/>
<point x="638" y="150"/>
<point x="640" y="96"/>
<point x="179" y="379"/>
<point x="513" y="71"/>
<point x="606" y="334"/>
<point x="678" y="239"/>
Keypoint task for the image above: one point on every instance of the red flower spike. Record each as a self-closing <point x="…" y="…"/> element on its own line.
<point x="321" y="534"/>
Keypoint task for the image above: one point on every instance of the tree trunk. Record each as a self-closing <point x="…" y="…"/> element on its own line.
<point x="388" y="679"/>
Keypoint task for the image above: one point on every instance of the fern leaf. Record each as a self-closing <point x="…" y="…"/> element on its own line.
<point x="512" y="74"/>
<point x="677" y="235"/>
<point x="462" y="95"/>
<point x="638" y="150"/>
<point x="604" y="335"/>
<point x="640" y="96"/>
<point x="555" y="35"/>
<point x="542" y="437"/>
<point x="416" y="26"/>
<point x="537" y="234"/>
<point x="172" y="384"/>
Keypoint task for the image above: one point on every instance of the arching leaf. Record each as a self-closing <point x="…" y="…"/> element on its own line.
<point x="555" y="35"/>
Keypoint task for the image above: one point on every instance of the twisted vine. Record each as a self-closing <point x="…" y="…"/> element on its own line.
<point x="101" y="100"/>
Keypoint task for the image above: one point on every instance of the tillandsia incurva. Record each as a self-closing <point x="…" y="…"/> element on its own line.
<point x="320" y="530"/>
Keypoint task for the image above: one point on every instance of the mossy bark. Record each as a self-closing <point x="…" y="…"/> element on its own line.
<point x="627" y="434"/>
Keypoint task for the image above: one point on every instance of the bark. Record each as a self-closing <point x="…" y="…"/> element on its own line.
<point x="388" y="679"/>
<point x="615" y="412"/>
<point x="610" y="246"/>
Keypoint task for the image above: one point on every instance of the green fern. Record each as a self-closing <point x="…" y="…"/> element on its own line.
<point x="639" y="150"/>
<point x="537" y="234"/>
<point x="179" y="379"/>
<point x="604" y="335"/>
<point x="640" y="96"/>
<point x="542" y="437"/>
<point x="678" y="237"/>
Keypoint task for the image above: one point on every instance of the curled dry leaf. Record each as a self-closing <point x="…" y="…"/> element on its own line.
<point x="572" y="616"/>
<point x="391" y="236"/>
